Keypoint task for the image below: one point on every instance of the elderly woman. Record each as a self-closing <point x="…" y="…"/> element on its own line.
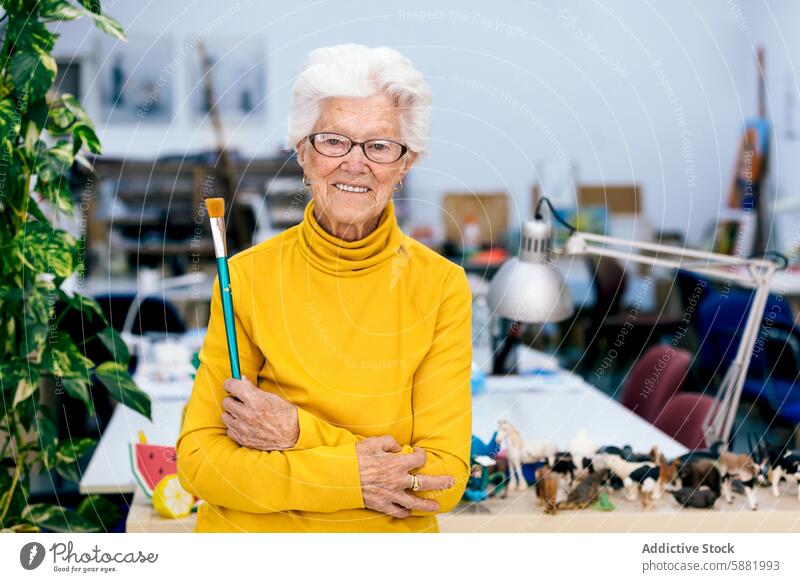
<point x="354" y="410"/>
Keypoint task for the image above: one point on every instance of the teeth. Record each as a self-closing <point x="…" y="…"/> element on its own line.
<point x="347" y="188"/>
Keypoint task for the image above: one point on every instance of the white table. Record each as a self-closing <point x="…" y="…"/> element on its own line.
<point x="109" y="470"/>
<point x="556" y="407"/>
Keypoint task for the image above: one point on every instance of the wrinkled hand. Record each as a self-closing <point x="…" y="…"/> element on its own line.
<point x="386" y="479"/>
<point x="258" y="419"/>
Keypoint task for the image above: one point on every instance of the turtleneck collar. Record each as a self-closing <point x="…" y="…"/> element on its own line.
<point x="342" y="258"/>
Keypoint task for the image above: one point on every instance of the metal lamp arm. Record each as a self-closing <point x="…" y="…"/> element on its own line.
<point x="758" y="274"/>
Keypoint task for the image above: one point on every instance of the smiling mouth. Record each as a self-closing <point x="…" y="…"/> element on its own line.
<point x="349" y="188"/>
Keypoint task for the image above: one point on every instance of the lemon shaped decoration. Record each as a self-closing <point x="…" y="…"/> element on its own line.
<point x="170" y="499"/>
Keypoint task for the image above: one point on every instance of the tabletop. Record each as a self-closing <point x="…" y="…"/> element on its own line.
<point x="552" y="407"/>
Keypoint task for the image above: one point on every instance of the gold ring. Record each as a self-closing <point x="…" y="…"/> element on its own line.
<point x="414" y="483"/>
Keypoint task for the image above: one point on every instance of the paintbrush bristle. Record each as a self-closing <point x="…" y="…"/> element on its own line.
<point x="215" y="207"/>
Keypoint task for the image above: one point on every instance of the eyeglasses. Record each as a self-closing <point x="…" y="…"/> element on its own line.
<point x="335" y="145"/>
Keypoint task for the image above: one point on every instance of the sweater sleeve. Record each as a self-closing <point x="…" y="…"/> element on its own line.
<point x="218" y="470"/>
<point x="441" y="399"/>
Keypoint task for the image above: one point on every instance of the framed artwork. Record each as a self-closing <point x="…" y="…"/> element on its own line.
<point x="235" y="68"/>
<point x="136" y="79"/>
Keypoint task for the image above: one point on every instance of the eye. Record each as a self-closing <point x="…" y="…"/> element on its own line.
<point x="333" y="141"/>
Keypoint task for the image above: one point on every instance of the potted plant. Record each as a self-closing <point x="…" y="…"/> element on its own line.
<point x="41" y="136"/>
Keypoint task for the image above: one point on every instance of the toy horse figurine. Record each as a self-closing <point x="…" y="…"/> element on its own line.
<point x="509" y="437"/>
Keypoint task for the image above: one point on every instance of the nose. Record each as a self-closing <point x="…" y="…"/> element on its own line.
<point x="355" y="160"/>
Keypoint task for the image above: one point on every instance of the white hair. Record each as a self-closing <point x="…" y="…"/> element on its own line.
<point x="354" y="70"/>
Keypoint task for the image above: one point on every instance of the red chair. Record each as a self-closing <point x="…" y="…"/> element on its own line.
<point x="682" y="418"/>
<point x="654" y="379"/>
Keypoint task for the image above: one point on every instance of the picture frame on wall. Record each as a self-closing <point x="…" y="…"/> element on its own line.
<point x="136" y="79"/>
<point x="235" y="66"/>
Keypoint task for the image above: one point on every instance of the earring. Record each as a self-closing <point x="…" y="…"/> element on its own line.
<point x="306" y="181"/>
<point x="398" y="186"/>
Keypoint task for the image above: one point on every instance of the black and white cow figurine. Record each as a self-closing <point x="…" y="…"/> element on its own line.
<point x="785" y="466"/>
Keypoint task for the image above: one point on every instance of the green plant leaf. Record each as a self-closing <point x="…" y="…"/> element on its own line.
<point x="84" y="134"/>
<point x="91" y="5"/>
<point x="99" y="511"/>
<point x="58" y="10"/>
<point x="10" y="119"/>
<point x="115" y="344"/>
<point x="55" y="162"/>
<point x="87" y="306"/>
<point x="68" y="454"/>
<point x="122" y="388"/>
<point x="109" y="26"/>
<point x="34" y="71"/>
<point x="46" y="249"/>
<point x="78" y="387"/>
<point x="58" y="519"/>
<point x="48" y="436"/>
<point x="25" y="389"/>
<point x="11" y="373"/>
<point x="62" y="357"/>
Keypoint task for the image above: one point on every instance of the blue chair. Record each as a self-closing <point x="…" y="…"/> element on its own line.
<point x="782" y="373"/>
<point x="721" y="319"/>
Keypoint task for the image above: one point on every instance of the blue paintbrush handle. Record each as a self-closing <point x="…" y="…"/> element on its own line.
<point x="227" y="310"/>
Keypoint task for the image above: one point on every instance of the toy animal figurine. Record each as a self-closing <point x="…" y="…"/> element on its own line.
<point x="564" y="466"/>
<point x="786" y="466"/>
<point x="582" y="449"/>
<point x="488" y="449"/>
<point x="636" y="477"/>
<point x="478" y="483"/>
<point x="547" y="485"/>
<point x="540" y="450"/>
<point x="508" y="436"/>
<point x="779" y="463"/>
<point x="667" y="471"/>
<point x="586" y="492"/>
<point x="745" y="469"/>
<point x="703" y="498"/>
<point x="698" y="473"/>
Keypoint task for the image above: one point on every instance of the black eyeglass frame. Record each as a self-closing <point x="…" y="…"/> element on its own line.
<point x="310" y="137"/>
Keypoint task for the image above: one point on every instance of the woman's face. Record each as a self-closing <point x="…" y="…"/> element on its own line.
<point x="360" y="119"/>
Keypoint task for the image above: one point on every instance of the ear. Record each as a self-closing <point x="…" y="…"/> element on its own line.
<point x="408" y="161"/>
<point x="301" y="152"/>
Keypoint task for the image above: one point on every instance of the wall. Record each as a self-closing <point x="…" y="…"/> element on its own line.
<point x="627" y="91"/>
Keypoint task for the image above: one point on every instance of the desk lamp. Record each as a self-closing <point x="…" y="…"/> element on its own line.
<point x="528" y="288"/>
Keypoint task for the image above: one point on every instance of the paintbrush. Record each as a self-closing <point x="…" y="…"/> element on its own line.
<point x="216" y="213"/>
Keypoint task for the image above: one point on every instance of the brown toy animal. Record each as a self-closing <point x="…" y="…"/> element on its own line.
<point x="547" y="489"/>
<point x="585" y="493"/>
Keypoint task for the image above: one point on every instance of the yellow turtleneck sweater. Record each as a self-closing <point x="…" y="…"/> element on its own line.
<point x="367" y="338"/>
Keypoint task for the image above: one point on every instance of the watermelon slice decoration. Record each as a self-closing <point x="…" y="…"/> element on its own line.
<point x="151" y="463"/>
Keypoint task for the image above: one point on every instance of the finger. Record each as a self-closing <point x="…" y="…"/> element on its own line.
<point x="416" y="459"/>
<point x="228" y="418"/>
<point x="414" y="502"/>
<point x="236" y="388"/>
<point x="233" y="406"/>
<point x="397" y="511"/>
<point x="432" y="482"/>
<point x="390" y="445"/>
<point x="233" y="435"/>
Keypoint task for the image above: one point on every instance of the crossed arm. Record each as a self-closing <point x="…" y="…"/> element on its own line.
<point x="321" y="471"/>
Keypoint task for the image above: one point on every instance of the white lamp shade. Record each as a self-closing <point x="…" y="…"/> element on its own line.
<point x="527" y="288"/>
<point x="530" y="292"/>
